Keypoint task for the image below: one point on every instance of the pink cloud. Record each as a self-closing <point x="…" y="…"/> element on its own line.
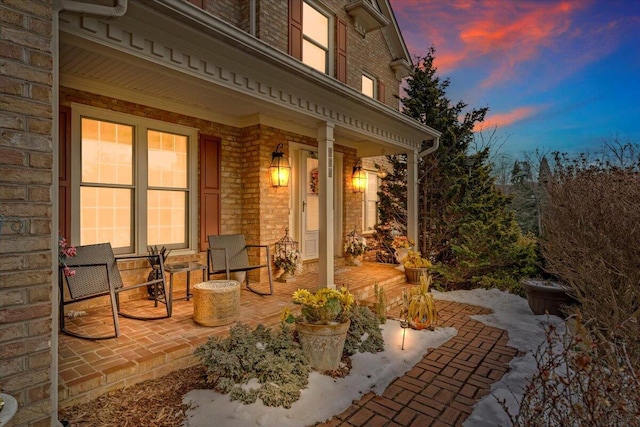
<point x="499" y="35"/>
<point x="501" y="120"/>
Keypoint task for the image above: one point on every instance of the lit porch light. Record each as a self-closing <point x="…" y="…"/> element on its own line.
<point x="280" y="170"/>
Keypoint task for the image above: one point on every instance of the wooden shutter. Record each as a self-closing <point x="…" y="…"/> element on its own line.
<point x="381" y="91"/>
<point x="64" y="172"/>
<point x="341" y="50"/>
<point x="295" y="29"/>
<point x="199" y="3"/>
<point x="210" y="149"/>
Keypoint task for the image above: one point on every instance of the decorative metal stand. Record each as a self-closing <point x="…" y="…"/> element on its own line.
<point x="288" y="248"/>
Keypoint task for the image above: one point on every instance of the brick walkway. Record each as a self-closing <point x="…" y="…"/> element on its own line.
<point x="443" y="387"/>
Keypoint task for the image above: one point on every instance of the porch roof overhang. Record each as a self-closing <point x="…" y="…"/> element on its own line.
<point x="174" y="56"/>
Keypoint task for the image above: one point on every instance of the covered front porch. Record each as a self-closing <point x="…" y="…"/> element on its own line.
<point x="151" y="349"/>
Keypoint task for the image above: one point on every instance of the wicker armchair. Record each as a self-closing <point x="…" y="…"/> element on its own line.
<point x="97" y="275"/>
<point x="229" y="254"/>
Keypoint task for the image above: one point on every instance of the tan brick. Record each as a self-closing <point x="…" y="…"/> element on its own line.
<point x="11" y="17"/>
<point x="25" y="140"/>
<point x="11" y="262"/>
<point x="12" y="86"/>
<point x="13" y="366"/>
<point x="24" y="37"/>
<point x="41" y="226"/>
<point x="12" y="297"/>
<point x="11" y="156"/>
<point x="30" y="377"/>
<point x="10" y="50"/>
<point x="11" y="121"/>
<point x="39" y="126"/>
<point x="39" y="360"/>
<point x="41" y="160"/>
<point x="12" y="331"/>
<point x="41" y="59"/>
<point x="17" y="314"/>
<point x="24" y="106"/>
<point x="25" y="210"/>
<point x="40" y="26"/>
<point x="35" y="8"/>
<point x="40" y="194"/>
<point x="40" y="293"/>
<point x="24" y="278"/>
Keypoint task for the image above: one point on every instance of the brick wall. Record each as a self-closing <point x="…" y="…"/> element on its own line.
<point x="26" y="175"/>
<point x="370" y="53"/>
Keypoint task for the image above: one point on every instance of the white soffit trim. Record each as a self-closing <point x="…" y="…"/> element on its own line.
<point x="212" y="51"/>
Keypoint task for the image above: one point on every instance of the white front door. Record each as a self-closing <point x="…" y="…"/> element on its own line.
<point x="310" y="200"/>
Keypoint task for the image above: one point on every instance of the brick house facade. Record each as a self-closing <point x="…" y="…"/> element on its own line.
<point x="230" y="73"/>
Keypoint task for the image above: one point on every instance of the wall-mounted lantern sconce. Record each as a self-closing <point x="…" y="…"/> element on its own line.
<point x="359" y="178"/>
<point x="280" y="170"/>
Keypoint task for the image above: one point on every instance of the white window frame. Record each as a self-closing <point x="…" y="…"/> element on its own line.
<point x="140" y="127"/>
<point x="371" y="175"/>
<point x="374" y="83"/>
<point x="330" y="32"/>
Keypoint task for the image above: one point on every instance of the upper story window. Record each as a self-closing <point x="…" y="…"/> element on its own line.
<point x="315" y="38"/>
<point x="368" y="86"/>
<point x="135" y="187"/>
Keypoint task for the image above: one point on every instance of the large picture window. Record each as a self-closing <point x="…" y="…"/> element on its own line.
<point x="135" y="187"/>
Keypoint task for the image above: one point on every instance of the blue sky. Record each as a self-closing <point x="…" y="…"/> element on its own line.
<point x="556" y="75"/>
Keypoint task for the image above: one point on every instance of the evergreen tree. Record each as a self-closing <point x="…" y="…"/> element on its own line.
<point x="465" y="225"/>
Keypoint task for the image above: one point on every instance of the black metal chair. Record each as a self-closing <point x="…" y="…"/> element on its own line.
<point x="97" y="275"/>
<point x="229" y="254"/>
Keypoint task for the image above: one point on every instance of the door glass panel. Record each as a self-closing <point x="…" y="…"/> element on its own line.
<point x="313" y="200"/>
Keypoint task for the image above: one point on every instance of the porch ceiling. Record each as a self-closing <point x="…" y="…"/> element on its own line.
<point x="219" y="73"/>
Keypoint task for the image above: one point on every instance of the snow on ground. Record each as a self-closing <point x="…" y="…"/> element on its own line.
<point x="325" y="397"/>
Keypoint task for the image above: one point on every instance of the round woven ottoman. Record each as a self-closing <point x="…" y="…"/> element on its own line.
<point x="216" y="302"/>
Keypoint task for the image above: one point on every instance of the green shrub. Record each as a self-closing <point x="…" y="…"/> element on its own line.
<point x="364" y="333"/>
<point x="271" y="357"/>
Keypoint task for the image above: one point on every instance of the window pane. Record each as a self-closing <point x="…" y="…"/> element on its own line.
<point x="166" y="217"/>
<point x="107" y="152"/>
<point x="167" y="159"/>
<point x="367" y="86"/>
<point x="105" y="216"/>
<point x="314" y="57"/>
<point x="315" y="25"/>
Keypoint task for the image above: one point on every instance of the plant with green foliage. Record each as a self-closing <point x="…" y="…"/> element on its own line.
<point x="272" y="358"/>
<point x="381" y="303"/>
<point x="465" y="224"/>
<point x="364" y="333"/>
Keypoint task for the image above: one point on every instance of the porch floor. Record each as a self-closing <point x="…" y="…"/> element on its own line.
<point x="151" y="349"/>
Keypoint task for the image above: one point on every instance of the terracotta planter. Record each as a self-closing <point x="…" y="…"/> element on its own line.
<point x="546" y="296"/>
<point x="323" y="344"/>
<point x="413" y="274"/>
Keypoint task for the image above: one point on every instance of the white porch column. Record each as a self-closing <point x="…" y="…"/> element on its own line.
<point x="326" y="174"/>
<point x="412" y="197"/>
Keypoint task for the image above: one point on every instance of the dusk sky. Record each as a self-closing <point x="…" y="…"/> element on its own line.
<point x="556" y="75"/>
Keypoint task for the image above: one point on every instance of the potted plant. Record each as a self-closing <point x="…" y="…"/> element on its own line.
<point x="322" y="325"/>
<point x="155" y="273"/>
<point x="419" y="306"/>
<point x="289" y="260"/>
<point x="547" y="296"/>
<point x="415" y="266"/>
<point x="354" y="247"/>
<point x="401" y="246"/>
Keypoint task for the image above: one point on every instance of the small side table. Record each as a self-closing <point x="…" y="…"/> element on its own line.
<point x="187" y="267"/>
